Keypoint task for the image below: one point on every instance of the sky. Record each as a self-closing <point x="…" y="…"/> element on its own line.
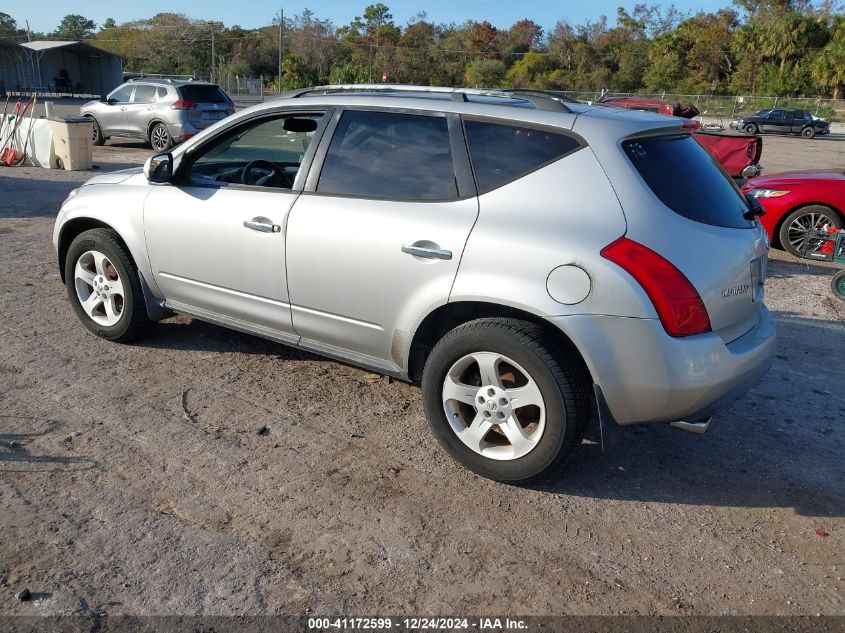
<point x="45" y="15"/>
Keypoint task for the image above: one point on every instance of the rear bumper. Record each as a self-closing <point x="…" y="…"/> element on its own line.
<point x="646" y="375"/>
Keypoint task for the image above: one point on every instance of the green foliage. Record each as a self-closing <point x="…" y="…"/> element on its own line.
<point x="75" y="27"/>
<point x="8" y="26"/>
<point x="485" y="73"/>
<point x="789" y="48"/>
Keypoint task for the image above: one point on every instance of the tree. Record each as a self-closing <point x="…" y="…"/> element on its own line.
<point x="8" y="25"/>
<point x="485" y="73"/>
<point x="108" y="24"/>
<point x="75" y="27"/>
<point x="829" y="66"/>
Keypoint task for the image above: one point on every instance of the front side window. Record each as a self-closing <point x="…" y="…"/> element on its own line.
<point x="390" y="155"/>
<point x="776" y="115"/>
<point x="121" y="95"/>
<point x="267" y="153"/>
<point x="501" y="153"/>
<point x="801" y="114"/>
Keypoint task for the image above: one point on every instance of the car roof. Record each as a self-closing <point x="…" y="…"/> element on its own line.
<point x="529" y="106"/>
<point x="164" y="81"/>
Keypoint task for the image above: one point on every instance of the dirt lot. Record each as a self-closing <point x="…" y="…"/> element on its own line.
<point x="135" y="479"/>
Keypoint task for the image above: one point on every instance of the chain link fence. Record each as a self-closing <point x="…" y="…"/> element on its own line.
<point x="242" y="88"/>
<point x="727" y="108"/>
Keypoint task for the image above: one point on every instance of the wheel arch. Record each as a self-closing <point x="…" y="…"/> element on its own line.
<point x="786" y="214"/>
<point x="152" y="124"/>
<point x="450" y="315"/>
<point x="74" y="227"/>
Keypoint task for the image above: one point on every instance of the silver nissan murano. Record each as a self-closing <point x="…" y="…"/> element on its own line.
<point x="528" y="261"/>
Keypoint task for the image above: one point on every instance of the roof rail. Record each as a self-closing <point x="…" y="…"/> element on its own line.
<point x="540" y="99"/>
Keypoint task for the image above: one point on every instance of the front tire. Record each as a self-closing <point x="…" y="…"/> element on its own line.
<point x="749" y="128"/>
<point x="837" y="284"/>
<point x="104" y="286"/>
<point x="160" y="138"/>
<point x="504" y="401"/>
<point x="808" y="132"/>
<point x="796" y="225"/>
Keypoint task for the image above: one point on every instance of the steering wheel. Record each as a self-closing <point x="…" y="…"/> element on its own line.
<point x="277" y="176"/>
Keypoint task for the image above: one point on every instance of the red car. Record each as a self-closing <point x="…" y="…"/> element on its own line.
<point x="797" y="202"/>
<point x="738" y="155"/>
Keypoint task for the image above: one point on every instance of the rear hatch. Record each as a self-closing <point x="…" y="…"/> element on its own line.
<point x="212" y="104"/>
<point x="700" y="228"/>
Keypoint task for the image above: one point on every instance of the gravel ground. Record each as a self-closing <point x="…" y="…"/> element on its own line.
<point x="204" y="471"/>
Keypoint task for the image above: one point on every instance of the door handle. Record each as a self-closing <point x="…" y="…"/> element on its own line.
<point x="263" y="227"/>
<point x="427" y="252"/>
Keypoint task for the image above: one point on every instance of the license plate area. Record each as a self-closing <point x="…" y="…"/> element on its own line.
<point x="758" y="278"/>
<point x="213" y="116"/>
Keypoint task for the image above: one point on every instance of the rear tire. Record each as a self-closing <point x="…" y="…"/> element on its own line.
<point x="808" y="132"/>
<point x="837" y="284"/>
<point x="97" y="137"/>
<point x="160" y="138"/>
<point x="749" y="128"/>
<point x="505" y="362"/>
<point x="104" y="286"/>
<point x="797" y="223"/>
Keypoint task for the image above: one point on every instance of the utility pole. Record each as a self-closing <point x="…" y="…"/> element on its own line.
<point x="213" y="73"/>
<point x="281" y="26"/>
<point x="28" y="32"/>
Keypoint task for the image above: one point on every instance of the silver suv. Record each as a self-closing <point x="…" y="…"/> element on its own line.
<point x="519" y="257"/>
<point x="163" y="112"/>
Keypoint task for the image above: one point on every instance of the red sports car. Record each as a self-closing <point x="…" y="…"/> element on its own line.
<point x="797" y="202"/>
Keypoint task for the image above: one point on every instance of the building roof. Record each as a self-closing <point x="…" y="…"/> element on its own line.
<point x="73" y="46"/>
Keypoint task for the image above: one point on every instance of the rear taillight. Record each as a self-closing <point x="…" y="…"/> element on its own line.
<point x="183" y="104"/>
<point x="677" y="302"/>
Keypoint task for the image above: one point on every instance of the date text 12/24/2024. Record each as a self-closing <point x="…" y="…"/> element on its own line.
<point x="415" y="624"/>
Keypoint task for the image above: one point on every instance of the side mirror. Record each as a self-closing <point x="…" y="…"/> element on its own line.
<point x="755" y="209"/>
<point x="159" y="168"/>
<point x="104" y="99"/>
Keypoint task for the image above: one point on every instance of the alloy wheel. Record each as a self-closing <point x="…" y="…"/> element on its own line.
<point x="160" y="138"/>
<point x="806" y="223"/>
<point x="99" y="288"/>
<point x="494" y="406"/>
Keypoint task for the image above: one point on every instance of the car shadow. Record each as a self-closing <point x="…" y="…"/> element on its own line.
<point x="774" y="447"/>
<point x="17" y="456"/>
<point x="196" y="335"/>
<point x="780" y="268"/>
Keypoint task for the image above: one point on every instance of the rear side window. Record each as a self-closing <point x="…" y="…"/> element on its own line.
<point x="203" y="93"/>
<point x="688" y="180"/>
<point x="162" y="93"/>
<point x="502" y="153"/>
<point x="144" y="94"/>
<point x="390" y="155"/>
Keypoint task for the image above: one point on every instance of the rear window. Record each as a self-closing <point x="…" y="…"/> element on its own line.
<point x="688" y="180"/>
<point x="502" y="153"/>
<point x="202" y="94"/>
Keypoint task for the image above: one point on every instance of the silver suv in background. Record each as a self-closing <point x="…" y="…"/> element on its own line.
<point x="523" y="259"/>
<point x="163" y="112"/>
